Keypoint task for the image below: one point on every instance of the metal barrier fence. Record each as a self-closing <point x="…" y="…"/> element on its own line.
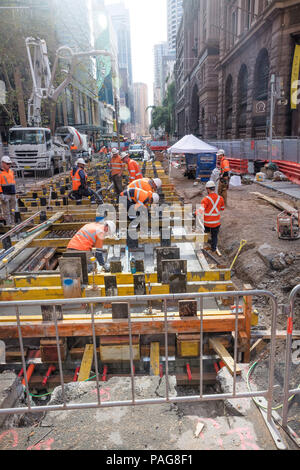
<point x="282" y="149"/>
<point x="288" y="393"/>
<point x="237" y="295"/>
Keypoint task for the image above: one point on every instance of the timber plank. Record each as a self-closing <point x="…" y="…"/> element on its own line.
<point x="224" y="355"/>
<point x="73" y="328"/>
<point x="154" y="359"/>
<point x="86" y="363"/>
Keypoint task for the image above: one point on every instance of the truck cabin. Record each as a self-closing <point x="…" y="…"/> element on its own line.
<point x="30" y="136"/>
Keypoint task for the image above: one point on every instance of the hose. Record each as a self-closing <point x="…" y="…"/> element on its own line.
<point x="253" y="398"/>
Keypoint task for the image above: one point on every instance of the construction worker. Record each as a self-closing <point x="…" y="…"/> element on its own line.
<point x="134" y="170"/>
<point x="139" y="198"/>
<point x="147" y="184"/>
<point x="224" y="176"/>
<point x="7" y="190"/>
<point x="116" y="168"/>
<point x="91" y="236"/>
<point x="79" y="181"/>
<point x="212" y="205"/>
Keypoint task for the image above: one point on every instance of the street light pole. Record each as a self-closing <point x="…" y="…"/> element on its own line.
<point x="273" y="92"/>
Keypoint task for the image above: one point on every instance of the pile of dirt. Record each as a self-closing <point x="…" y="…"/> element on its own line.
<point x="266" y="262"/>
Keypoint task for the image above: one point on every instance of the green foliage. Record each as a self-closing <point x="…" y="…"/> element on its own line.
<point x="164" y="116"/>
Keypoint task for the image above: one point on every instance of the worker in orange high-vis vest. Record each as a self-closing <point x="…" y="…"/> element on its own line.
<point x="139" y="198"/>
<point x="147" y="184"/>
<point x="224" y="176"/>
<point x="116" y="169"/>
<point x="79" y="182"/>
<point x="92" y="236"/>
<point x="134" y="170"/>
<point x="212" y="206"/>
<point x="7" y="191"/>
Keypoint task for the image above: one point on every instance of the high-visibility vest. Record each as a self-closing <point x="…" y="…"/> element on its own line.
<point x="137" y="196"/>
<point x="143" y="183"/>
<point x="76" y="181"/>
<point x="134" y="171"/>
<point x="225" y="167"/>
<point x="88" y="237"/>
<point x="7" y="182"/>
<point x="116" y="165"/>
<point x="213" y="205"/>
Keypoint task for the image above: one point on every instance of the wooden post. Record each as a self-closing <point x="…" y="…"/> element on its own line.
<point x="247" y="307"/>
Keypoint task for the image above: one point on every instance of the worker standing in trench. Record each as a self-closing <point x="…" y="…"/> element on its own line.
<point x="212" y="206"/>
<point x="116" y="169"/>
<point x="134" y="170"/>
<point x="7" y="190"/>
<point x="138" y="198"/>
<point x="92" y="236"/>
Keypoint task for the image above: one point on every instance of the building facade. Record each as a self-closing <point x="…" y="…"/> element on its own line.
<point x="160" y="51"/>
<point x="140" y="93"/>
<point x="195" y="71"/>
<point x="227" y="52"/>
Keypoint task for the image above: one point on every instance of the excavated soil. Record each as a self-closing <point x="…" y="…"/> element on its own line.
<point x="249" y="218"/>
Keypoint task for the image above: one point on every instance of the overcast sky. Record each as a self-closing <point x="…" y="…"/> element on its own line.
<point x="148" y="27"/>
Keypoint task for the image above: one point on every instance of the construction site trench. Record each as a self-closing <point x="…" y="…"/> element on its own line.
<point x="264" y="262"/>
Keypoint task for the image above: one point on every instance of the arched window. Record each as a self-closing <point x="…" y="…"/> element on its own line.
<point x="228" y="103"/>
<point x="261" y="77"/>
<point x="261" y="91"/>
<point x="242" y="97"/>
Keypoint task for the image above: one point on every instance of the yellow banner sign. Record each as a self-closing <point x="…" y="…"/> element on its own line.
<point x="295" y="78"/>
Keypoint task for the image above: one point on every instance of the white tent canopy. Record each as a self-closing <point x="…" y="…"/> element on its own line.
<point x="191" y="144"/>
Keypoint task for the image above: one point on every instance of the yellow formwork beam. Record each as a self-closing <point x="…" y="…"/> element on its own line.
<point x="41" y="280"/>
<point x="56" y="292"/>
<point x="86" y="363"/>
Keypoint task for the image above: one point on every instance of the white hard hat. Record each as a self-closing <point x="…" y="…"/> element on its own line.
<point x="210" y="185"/>
<point x="221" y="152"/>
<point x="157" y="182"/>
<point x="114" y="151"/>
<point x="155" y="198"/>
<point x="80" y="161"/>
<point x="124" y="155"/>
<point x="6" y="159"/>
<point x="112" y="227"/>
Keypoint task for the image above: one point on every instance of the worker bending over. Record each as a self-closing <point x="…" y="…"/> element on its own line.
<point x="139" y="198"/>
<point x="212" y="206"/>
<point x="224" y="176"/>
<point x="147" y="184"/>
<point x="7" y="190"/>
<point x="91" y="236"/>
<point x="79" y="181"/>
<point x="134" y="170"/>
<point x="116" y="168"/>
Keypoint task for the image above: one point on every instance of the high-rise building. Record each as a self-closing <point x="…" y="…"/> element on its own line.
<point x="174" y="15"/>
<point x="120" y="18"/>
<point x="140" y="94"/>
<point x="160" y="50"/>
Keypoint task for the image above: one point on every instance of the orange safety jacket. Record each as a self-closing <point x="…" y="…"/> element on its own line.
<point x="225" y="167"/>
<point x="7" y="182"/>
<point x="76" y="181"/>
<point x="134" y="170"/>
<point x="143" y="183"/>
<point x="116" y="165"/>
<point x="213" y="205"/>
<point x="138" y="196"/>
<point x="88" y="237"/>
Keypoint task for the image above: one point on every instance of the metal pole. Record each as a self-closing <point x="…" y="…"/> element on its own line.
<point x="272" y="115"/>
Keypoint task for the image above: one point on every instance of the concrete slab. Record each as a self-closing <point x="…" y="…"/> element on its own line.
<point x="284" y="187"/>
<point x="163" y="426"/>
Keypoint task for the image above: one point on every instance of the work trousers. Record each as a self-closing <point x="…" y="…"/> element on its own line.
<point x="8" y="206"/>
<point x="214" y="232"/>
<point x="117" y="180"/>
<point x="222" y="190"/>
